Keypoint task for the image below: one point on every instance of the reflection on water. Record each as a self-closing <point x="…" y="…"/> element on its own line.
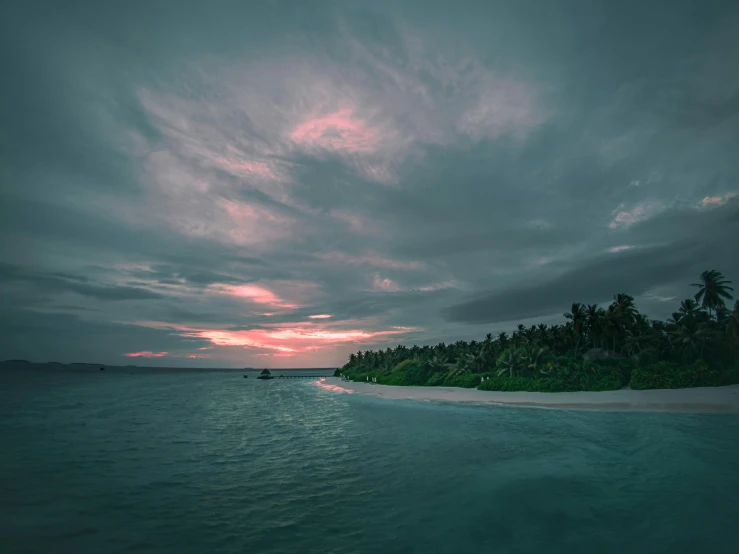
<point x="322" y="383"/>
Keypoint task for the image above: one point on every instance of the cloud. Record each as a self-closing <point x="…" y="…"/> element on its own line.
<point x="640" y="212"/>
<point x="709" y="201"/>
<point x="407" y="170"/>
<point x="284" y="339"/>
<point x="384" y="284"/>
<point x="369" y="259"/>
<point x="57" y="283"/>
<point x="339" y="130"/>
<point x="254" y="293"/>
<point x="698" y="244"/>
<point x="147" y="354"/>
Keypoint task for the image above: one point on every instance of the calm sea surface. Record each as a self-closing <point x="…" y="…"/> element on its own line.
<point x="105" y="462"/>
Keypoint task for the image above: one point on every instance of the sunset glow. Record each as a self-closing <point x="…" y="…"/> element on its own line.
<point x="340" y="130"/>
<point x="283" y="340"/>
<point x="284" y="183"/>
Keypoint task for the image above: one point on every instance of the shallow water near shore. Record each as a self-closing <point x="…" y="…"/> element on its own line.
<point x="212" y="462"/>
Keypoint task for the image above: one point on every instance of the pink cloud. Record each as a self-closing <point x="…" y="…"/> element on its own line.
<point x="275" y="294"/>
<point x="340" y="130"/>
<point x="259" y="169"/>
<point x="197" y="204"/>
<point x="147" y="354"/>
<point x="378" y="107"/>
<point x="319" y="316"/>
<point x="252" y="223"/>
<point x="640" y="212"/>
<point x="716" y="200"/>
<point x="283" y="339"/>
<point x="255" y="293"/>
<point x="383" y="284"/>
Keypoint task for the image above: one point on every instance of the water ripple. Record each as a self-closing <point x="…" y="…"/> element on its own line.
<point x="197" y="463"/>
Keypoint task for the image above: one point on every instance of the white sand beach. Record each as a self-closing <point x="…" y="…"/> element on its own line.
<point x="703" y="399"/>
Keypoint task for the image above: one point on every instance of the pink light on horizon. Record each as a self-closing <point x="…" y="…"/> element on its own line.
<point x="282" y="339"/>
<point x="339" y="130"/>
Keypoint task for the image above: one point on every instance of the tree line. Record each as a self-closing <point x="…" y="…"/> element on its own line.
<point x="595" y="348"/>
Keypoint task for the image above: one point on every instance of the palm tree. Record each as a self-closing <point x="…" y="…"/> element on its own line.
<point x="461" y="367"/>
<point x="689" y="337"/>
<point x="689" y="308"/>
<point x="595" y="316"/>
<point x="578" y="316"/>
<point x="612" y="324"/>
<point x="535" y="358"/>
<point x="509" y="362"/>
<point x="438" y="363"/>
<point x="476" y="361"/>
<point x="712" y="290"/>
<point x="624" y="305"/>
<point x="732" y="323"/>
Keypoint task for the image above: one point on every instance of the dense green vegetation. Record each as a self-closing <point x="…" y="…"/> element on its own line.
<point x="596" y="349"/>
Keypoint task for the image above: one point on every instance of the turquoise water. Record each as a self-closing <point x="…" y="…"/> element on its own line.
<point x="102" y="462"/>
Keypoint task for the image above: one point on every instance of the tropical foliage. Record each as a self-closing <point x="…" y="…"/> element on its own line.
<point x="597" y="348"/>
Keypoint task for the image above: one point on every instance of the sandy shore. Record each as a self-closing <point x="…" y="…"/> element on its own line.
<point x="703" y="399"/>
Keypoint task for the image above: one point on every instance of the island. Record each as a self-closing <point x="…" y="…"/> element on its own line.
<point x="597" y="348"/>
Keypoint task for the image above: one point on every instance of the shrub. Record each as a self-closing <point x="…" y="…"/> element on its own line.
<point x="436" y="379"/>
<point x="670" y="375"/>
<point x="404" y="366"/>
<point x="621" y="367"/>
<point x="397" y="379"/>
<point x="465" y="380"/>
<point x="551" y="384"/>
<point x="528" y="384"/>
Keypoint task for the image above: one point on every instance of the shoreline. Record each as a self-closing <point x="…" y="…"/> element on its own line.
<point x="691" y="400"/>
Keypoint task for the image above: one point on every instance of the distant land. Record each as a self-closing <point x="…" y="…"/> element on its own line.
<point x="87" y="366"/>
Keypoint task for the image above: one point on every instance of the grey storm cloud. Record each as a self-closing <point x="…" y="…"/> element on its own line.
<point x="696" y="243"/>
<point x="280" y="183"/>
<point x="47" y="283"/>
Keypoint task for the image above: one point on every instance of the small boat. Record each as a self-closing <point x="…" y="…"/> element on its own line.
<point x="246" y="376"/>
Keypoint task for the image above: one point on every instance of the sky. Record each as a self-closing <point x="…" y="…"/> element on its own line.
<point x="279" y="183"/>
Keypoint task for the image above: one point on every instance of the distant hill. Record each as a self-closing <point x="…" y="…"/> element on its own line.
<point x="86" y="366"/>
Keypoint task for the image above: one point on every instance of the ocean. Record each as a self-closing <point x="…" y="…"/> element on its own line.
<point x="209" y="462"/>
